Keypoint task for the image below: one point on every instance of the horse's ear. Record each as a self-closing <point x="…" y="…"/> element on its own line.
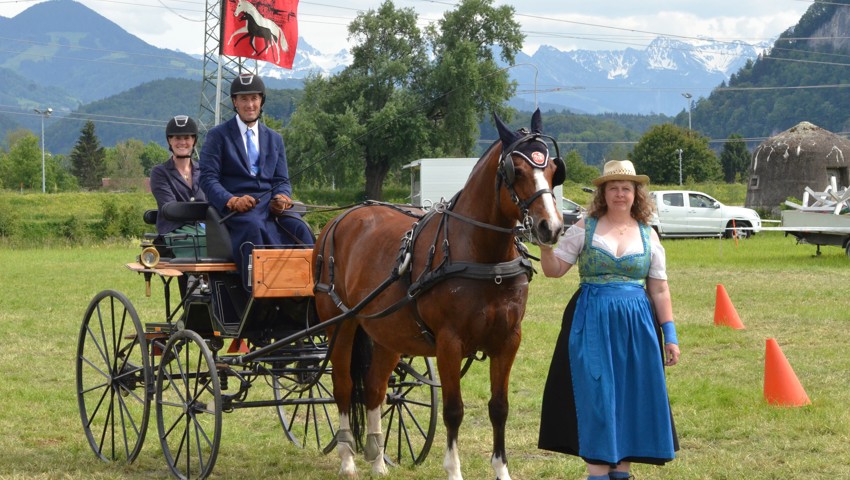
<point x="536" y="122"/>
<point x="505" y="133"/>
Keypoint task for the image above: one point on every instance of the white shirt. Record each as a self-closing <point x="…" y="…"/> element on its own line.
<point x="571" y="245"/>
<point x="244" y="128"/>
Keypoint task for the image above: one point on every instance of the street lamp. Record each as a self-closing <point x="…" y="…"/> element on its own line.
<point x="43" y="113"/>
<point x="688" y="97"/>
<point x="679" y="151"/>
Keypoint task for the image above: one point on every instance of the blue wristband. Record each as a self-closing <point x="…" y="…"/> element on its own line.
<point x="669" y="329"/>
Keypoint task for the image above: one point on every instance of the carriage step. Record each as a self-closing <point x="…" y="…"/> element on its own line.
<point x="160" y="328"/>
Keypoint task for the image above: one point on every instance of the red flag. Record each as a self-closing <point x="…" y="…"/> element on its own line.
<point x="263" y="30"/>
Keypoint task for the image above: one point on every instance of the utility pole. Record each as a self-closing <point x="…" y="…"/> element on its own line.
<point x="44" y="113"/>
<point x="679" y="151"/>
<point x="219" y="71"/>
<point x="688" y="97"/>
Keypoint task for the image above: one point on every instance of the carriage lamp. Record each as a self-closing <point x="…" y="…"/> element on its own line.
<point x="149" y="257"/>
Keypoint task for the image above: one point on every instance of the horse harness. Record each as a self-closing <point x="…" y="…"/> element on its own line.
<point x="447" y="268"/>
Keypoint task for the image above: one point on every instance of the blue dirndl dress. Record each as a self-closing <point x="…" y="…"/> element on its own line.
<point x="606" y="397"/>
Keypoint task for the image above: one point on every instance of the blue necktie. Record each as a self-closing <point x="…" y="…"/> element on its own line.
<point x="253" y="154"/>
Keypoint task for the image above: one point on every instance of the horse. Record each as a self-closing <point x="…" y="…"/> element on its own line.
<point x="256" y="25"/>
<point x="456" y="285"/>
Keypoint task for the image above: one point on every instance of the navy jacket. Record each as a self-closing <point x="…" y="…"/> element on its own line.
<point x="225" y="173"/>
<point x="168" y="185"/>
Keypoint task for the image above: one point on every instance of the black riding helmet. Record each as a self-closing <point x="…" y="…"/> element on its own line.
<point x="248" y="83"/>
<point x="181" y="125"/>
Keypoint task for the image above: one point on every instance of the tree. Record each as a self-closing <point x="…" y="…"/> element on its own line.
<point x="21" y="166"/>
<point x="577" y="170"/>
<point x="656" y="155"/>
<point x="393" y="104"/>
<point x="152" y="155"/>
<point x="465" y="81"/>
<point x="88" y="159"/>
<point x="735" y="158"/>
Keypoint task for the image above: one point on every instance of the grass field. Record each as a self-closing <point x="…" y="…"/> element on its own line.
<point x="726" y="429"/>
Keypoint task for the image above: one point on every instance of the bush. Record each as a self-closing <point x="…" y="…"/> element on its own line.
<point x="9" y="221"/>
<point x="74" y="230"/>
<point x="120" y="220"/>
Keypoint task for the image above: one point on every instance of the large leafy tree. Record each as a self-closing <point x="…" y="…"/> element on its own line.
<point x="152" y="155"/>
<point x="735" y="158"/>
<point x="21" y="165"/>
<point x="465" y="82"/>
<point x="656" y="155"/>
<point x="395" y="103"/>
<point x="88" y="159"/>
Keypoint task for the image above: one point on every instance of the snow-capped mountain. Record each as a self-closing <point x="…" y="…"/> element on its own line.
<point x="307" y="61"/>
<point x="593" y="81"/>
<point x="645" y="81"/>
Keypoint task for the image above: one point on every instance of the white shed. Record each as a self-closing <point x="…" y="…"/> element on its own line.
<point x="434" y="178"/>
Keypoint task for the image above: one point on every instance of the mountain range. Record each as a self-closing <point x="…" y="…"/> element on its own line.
<point x="63" y="54"/>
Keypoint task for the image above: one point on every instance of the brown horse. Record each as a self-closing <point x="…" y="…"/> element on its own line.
<point x="449" y="283"/>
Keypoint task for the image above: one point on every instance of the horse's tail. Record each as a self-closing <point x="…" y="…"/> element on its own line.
<point x="361" y="358"/>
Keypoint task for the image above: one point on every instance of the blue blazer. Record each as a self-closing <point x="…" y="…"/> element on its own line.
<point x="225" y="171"/>
<point x="168" y="185"/>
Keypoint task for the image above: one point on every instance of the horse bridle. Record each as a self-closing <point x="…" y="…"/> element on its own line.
<point x="507" y="173"/>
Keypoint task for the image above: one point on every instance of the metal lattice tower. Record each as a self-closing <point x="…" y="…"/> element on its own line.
<point x="219" y="70"/>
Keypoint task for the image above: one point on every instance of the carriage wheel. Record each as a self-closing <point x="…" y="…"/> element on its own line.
<point x="410" y="414"/>
<point x="307" y="409"/>
<point x="188" y="406"/>
<point x="113" y="376"/>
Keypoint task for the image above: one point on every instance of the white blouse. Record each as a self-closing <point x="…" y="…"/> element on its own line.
<point x="572" y="243"/>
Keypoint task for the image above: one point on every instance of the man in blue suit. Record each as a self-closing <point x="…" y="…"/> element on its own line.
<point x="243" y="170"/>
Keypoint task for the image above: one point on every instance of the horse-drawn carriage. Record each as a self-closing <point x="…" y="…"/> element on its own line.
<point x="394" y="286"/>
<point x="216" y="343"/>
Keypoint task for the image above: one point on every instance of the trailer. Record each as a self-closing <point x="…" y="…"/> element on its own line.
<point x="822" y="219"/>
<point x="436" y="179"/>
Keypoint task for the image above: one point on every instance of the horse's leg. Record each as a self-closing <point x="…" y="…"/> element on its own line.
<point x="383" y="363"/>
<point x="237" y="32"/>
<point x="448" y="364"/>
<point x="500" y="372"/>
<point x="341" y="376"/>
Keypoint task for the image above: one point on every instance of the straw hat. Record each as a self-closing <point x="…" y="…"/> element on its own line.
<point x="619" y="170"/>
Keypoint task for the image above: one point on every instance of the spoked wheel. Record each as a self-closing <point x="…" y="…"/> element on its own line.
<point x="113" y="376"/>
<point x="410" y="415"/>
<point x="307" y="410"/>
<point x="188" y="406"/>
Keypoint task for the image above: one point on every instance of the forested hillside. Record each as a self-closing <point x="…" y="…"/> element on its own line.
<point x="805" y="76"/>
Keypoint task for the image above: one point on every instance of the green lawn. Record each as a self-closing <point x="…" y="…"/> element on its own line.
<point x="726" y="429"/>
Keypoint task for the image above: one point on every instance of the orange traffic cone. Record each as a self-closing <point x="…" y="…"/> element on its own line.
<point x="724" y="311"/>
<point x="781" y="386"/>
<point x="238" y="345"/>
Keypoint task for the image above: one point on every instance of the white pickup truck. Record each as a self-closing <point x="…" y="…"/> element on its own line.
<point x="684" y="213"/>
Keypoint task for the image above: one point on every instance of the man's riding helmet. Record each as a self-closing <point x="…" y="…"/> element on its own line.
<point x="181" y="125"/>
<point x="248" y="83"/>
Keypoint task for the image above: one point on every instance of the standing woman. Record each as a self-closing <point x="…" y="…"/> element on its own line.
<point x="606" y="397"/>
<point x="177" y="180"/>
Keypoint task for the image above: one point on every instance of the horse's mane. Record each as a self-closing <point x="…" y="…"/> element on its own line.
<point x="483" y="158"/>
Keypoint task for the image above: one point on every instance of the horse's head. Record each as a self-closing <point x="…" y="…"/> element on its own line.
<point x="527" y="175"/>
<point x="240" y="8"/>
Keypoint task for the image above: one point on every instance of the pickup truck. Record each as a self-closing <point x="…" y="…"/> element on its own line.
<point x="685" y="213"/>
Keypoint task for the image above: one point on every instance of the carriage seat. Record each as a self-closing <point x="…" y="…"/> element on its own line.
<point x="217" y="236"/>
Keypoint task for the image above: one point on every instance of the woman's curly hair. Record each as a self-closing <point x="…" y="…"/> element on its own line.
<point x="642" y="208"/>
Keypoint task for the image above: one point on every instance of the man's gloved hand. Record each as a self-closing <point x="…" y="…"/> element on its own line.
<point x="279" y="203"/>
<point x="241" y="204"/>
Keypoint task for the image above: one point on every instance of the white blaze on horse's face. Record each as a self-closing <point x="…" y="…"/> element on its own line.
<point x="550" y="203"/>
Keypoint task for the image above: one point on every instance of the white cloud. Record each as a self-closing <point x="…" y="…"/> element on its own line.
<point x="603" y="24"/>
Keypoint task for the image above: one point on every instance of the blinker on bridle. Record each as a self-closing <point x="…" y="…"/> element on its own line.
<point x="507" y="173"/>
